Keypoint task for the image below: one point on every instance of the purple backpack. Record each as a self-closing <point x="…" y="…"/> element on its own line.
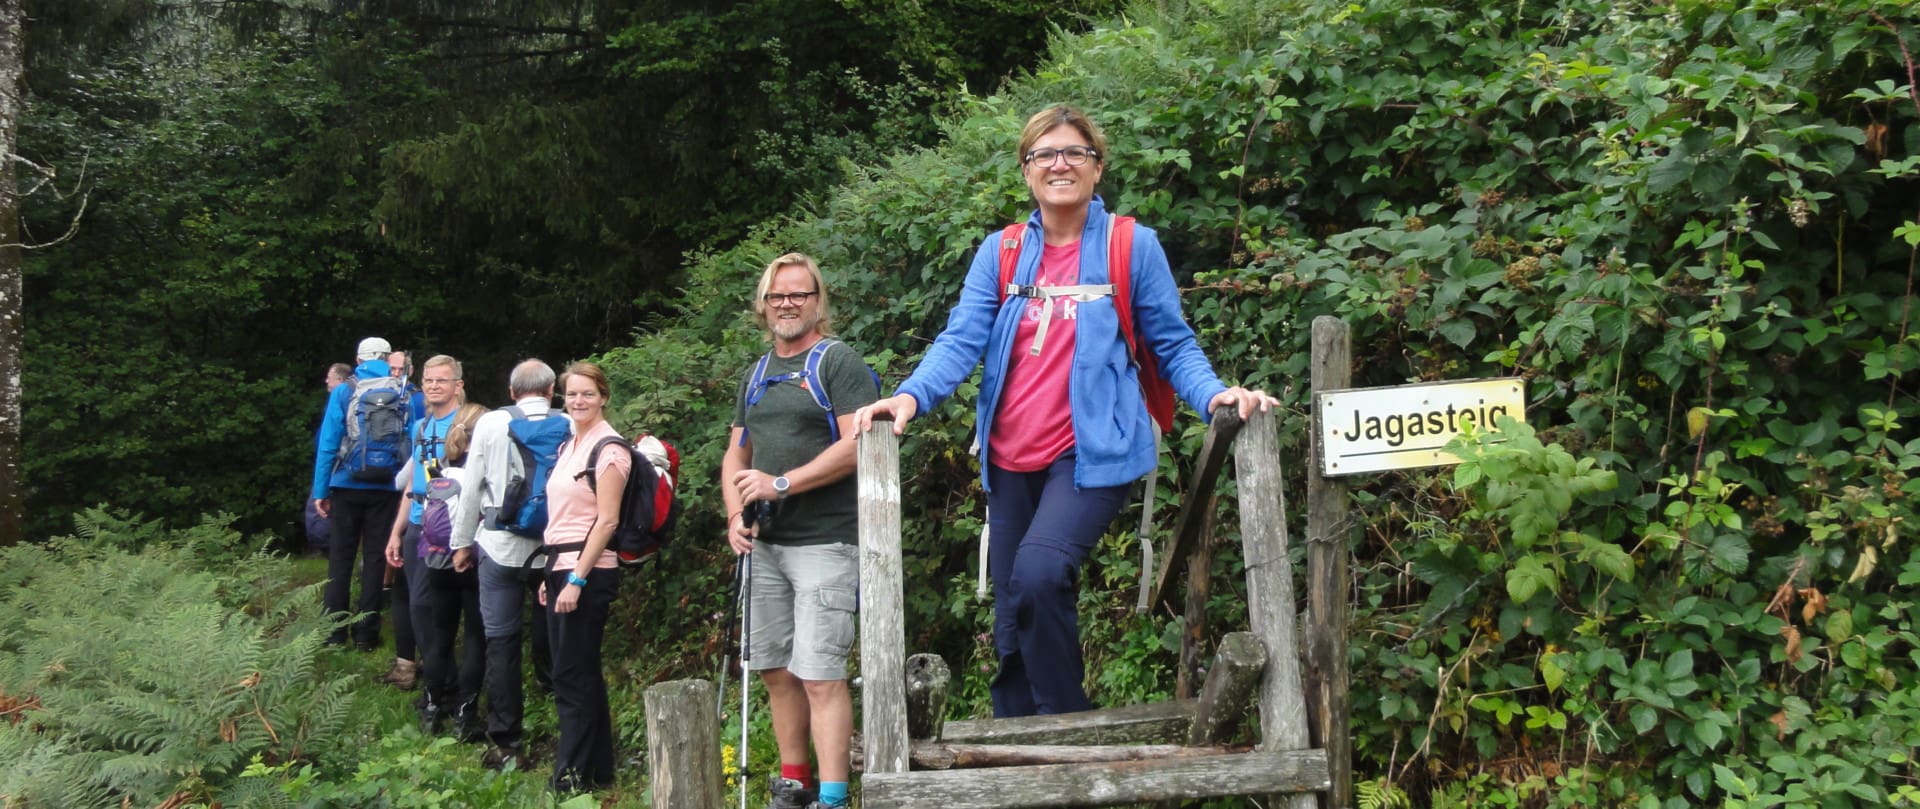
<point x="436" y="522"/>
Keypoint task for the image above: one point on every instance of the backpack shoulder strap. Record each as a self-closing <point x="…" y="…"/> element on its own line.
<point x="817" y="388"/>
<point x="757" y="383"/>
<point x="1156" y="390"/>
<point x="814" y="357"/>
<point x="593" y="460"/>
<point x="756" y="386"/>
<point x="514" y="413"/>
<point x="1120" y="274"/>
<point x="1010" y="238"/>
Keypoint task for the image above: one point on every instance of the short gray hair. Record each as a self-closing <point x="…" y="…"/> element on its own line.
<point x="531" y="378"/>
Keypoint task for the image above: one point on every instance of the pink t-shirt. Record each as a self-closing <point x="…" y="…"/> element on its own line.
<point x="571" y="508"/>
<point x="1033" y="425"/>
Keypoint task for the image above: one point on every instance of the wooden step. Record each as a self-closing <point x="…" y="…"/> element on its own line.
<point x="1153" y="723"/>
<point x="1109" y="784"/>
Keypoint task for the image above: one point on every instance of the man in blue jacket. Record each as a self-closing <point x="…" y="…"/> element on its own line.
<point x="361" y="445"/>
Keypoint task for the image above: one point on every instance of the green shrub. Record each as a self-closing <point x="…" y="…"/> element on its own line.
<point x="132" y="674"/>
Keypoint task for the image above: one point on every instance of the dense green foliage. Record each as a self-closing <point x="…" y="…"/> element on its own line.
<point x="263" y="184"/>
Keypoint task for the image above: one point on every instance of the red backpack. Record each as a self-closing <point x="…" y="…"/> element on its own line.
<point x="648" y="508"/>
<point x="1153" y="387"/>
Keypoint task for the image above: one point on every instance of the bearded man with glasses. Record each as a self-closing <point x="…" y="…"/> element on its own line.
<point x="790" y="460"/>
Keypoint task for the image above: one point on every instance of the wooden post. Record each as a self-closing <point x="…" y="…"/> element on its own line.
<point x="683" y="745"/>
<point x="883" y="635"/>
<point x="1263" y="527"/>
<point x="927" y="679"/>
<point x="1327" y="598"/>
<point x="1231" y="684"/>
<point x="1213" y="457"/>
<point x="1193" y="636"/>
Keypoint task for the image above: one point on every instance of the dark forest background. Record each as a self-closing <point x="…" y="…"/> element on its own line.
<point x="264" y="183"/>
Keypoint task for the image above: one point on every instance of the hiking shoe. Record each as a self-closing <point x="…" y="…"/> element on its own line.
<point x="789" y="794"/>
<point x="433" y="720"/>
<point x="405" y="674"/>
<point x="497" y="758"/>
<point x="819" y="805"/>
<point x="468" y="725"/>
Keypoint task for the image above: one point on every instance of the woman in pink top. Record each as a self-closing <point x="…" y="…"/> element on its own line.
<point x="1064" y="425"/>
<point x="582" y="581"/>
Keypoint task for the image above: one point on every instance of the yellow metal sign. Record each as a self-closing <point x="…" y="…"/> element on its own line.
<point x="1405" y="427"/>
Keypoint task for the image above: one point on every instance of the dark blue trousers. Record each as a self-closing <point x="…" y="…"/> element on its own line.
<point x="1041" y="529"/>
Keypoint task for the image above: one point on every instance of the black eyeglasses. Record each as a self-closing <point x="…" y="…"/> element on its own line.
<point x="788" y="298"/>
<point x="1074" y="155"/>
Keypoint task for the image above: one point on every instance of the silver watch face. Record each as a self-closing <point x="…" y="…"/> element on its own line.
<point x="780" y="484"/>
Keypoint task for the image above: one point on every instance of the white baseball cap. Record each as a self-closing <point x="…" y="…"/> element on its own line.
<point x="374" y="348"/>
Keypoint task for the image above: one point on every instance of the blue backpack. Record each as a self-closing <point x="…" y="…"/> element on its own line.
<point x="376" y="443"/>
<point x="808" y="377"/>
<point x="536" y="443"/>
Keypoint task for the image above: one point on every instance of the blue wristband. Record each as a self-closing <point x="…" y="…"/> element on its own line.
<point x="575" y="580"/>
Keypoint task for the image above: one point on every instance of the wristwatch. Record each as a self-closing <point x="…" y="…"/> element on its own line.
<point x="780" y="486"/>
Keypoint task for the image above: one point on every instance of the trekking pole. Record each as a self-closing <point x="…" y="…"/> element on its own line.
<point x="746" y="654"/>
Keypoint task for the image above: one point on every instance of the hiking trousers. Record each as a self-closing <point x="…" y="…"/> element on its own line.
<point x="362" y="520"/>
<point x="505" y="593"/>
<point x="583" y="758"/>
<point x="412" y="601"/>
<point x="1041" y="529"/>
<point x="455" y="597"/>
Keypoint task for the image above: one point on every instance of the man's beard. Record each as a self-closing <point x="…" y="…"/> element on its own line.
<point x="792" y="329"/>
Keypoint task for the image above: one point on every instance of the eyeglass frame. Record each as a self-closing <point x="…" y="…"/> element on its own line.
<point x="788" y="298"/>
<point x="1032" y="158"/>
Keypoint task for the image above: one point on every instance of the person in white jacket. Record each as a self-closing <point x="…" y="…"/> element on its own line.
<point x="507" y="585"/>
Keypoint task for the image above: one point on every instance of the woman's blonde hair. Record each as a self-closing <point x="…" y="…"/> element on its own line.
<point x="460" y="435"/>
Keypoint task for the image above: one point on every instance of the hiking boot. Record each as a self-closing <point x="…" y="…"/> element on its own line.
<point x="789" y="794"/>
<point x="433" y="720"/>
<point x="405" y="674"/>
<point x="468" y="725"/>
<point x="497" y="758"/>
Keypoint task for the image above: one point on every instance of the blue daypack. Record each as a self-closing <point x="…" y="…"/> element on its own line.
<point x="536" y="443"/>
<point x="376" y="443"/>
<point x="808" y="376"/>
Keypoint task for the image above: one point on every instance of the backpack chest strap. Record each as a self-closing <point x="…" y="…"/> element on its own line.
<point x="1080" y="293"/>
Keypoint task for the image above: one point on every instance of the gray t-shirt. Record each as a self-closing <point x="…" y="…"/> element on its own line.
<point x="787" y="428"/>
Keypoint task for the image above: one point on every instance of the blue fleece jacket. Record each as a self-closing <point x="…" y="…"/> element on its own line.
<point x="1112" y="433"/>
<point x="333" y="430"/>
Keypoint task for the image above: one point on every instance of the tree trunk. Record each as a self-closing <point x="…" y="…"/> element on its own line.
<point x="12" y="501"/>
